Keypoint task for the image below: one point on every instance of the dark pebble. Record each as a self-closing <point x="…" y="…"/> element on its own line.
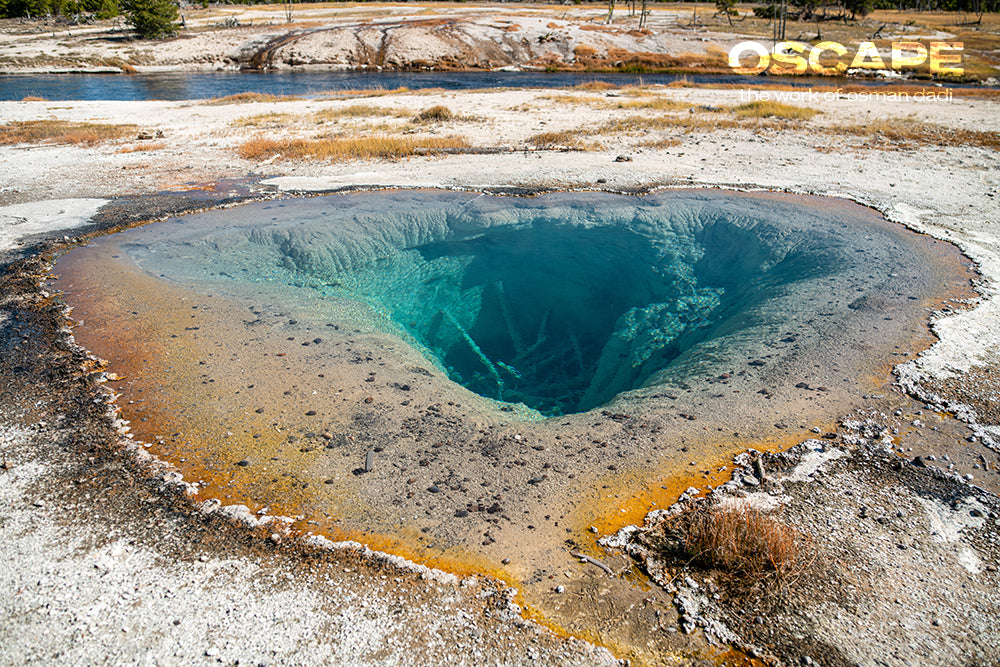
<point x="244" y="463"/>
<point x="433" y="489"/>
<point x="311" y="413"/>
<point x="461" y="513"/>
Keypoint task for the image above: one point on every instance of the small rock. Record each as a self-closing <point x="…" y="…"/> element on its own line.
<point x="433" y="489"/>
<point x="244" y="463"/>
<point x="560" y="589"/>
<point x="461" y="514"/>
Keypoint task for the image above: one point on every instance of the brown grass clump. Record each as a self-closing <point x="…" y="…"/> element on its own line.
<point x="908" y="133"/>
<point x="141" y="148"/>
<point x="772" y="109"/>
<point x="245" y="98"/>
<point x="595" y="86"/>
<point x="355" y="111"/>
<point x="62" y="132"/>
<point x="33" y="98"/>
<point x="561" y="139"/>
<point x="742" y="541"/>
<point x="436" y="113"/>
<point x="342" y="149"/>
<point x="271" y="119"/>
<point x="363" y="92"/>
<point x="665" y="142"/>
<point x="653" y="103"/>
<point x="684" y="122"/>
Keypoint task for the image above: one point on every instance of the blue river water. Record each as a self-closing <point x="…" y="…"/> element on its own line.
<point x="203" y="85"/>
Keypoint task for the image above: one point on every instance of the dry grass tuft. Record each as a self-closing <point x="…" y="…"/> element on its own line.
<point x="436" y="113"/>
<point x="562" y="139"/>
<point x="141" y="148"/>
<point x="772" y="109"/>
<point x="683" y="123"/>
<point x="271" y="119"/>
<point x="363" y="92"/>
<point x="33" y="98"/>
<point x="595" y="86"/>
<point x="62" y="132"/>
<point x="653" y="103"/>
<point x="909" y="133"/>
<point x="246" y="98"/>
<point x="342" y="149"/>
<point x="665" y="142"/>
<point x="356" y="111"/>
<point x="743" y="541"/>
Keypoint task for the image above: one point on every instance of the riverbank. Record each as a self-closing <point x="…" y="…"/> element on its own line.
<point x="464" y="37"/>
<point x="925" y="162"/>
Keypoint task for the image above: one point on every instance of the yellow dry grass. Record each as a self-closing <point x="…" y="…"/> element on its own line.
<point x="342" y="149"/>
<point x="908" y="133"/>
<point x="62" y="132"/>
<point x="272" y="119"/>
<point x="682" y="123"/>
<point x="562" y="139"/>
<point x="651" y="103"/>
<point x="141" y="148"/>
<point x="248" y="98"/>
<point x="665" y="142"/>
<point x="357" y="111"/>
<point x="772" y="109"/>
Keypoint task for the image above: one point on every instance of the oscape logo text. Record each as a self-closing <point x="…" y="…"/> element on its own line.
<point x="799" y="58"/>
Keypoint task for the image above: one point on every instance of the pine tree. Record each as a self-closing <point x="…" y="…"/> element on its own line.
<point x="152" y="19"/>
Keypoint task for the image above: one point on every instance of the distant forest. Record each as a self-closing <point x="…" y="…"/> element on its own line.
<point x="78" y="10"/>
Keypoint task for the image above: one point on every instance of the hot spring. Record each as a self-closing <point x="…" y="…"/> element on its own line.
<point x="514" y="369"/>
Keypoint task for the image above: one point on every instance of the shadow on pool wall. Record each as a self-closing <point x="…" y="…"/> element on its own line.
<point x="268" y="349"/>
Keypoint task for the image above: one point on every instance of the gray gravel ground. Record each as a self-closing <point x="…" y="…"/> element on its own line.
<point x="78" y="587"/>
